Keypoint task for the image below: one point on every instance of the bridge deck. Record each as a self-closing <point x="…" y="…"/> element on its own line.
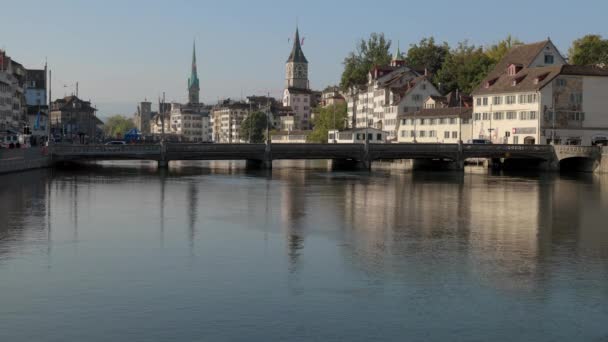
<point x="315" y="151"/>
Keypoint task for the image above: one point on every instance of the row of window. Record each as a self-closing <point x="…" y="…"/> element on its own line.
<point x="523" y="115"/>
<point x="508" y="99"/>
<point x="438" y="121"/>
<point x="430" y="134"/>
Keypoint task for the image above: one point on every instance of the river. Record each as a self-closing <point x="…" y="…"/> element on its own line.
<point x="208" y="251"/>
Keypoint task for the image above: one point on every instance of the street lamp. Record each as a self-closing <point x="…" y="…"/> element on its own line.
<point x="334" y="113"/>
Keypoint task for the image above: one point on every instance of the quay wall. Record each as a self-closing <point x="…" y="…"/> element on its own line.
<point x="17" y="160"/>
<point x="604" y="162"/>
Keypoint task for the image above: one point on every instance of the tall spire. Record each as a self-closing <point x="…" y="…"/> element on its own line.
<point x="193" y="83"/>
<point x="398" y="56"/>
<point x="194" y="74"/>
<point x="297" y="55"/>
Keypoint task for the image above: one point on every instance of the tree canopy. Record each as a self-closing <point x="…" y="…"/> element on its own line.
<point x="253" y="128"/>
<point x="327" y="118"/>
<point x="464" y="69"/>
<point x="497" y="51"/>
<point x="427" y="55"/>
<point x="589" y="50"/>
<point x="368" y="53"/>
<point x="117" y="125"/>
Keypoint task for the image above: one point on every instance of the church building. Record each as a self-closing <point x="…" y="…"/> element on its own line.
<point x="297" y="94"/>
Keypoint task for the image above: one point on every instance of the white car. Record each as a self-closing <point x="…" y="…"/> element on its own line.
<point x="116" y="142"/>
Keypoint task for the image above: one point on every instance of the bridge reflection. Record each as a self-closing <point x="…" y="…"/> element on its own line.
<point x="418" y="227"/>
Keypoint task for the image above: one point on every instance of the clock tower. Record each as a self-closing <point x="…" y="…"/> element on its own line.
<point x="297" y="66"/>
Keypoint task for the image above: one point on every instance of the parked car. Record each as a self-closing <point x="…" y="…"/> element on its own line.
<point x="9" y="141"/>
<point x="479" y="141"/>
<point x="116" y="142"/>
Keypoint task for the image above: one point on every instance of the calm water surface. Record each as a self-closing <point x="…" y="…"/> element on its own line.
<point x="210" y="252"/>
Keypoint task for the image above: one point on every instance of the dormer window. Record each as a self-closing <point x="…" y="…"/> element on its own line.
<point x="541" y="78"/>
<point x="490" y="82"/>
<point x="518" y="80"/>
<point x="513" y="69"/>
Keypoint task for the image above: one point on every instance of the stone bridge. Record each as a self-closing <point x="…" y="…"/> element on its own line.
<point x="363" y="155"/>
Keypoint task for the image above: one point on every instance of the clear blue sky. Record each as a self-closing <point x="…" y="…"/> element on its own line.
<point x="121" y="52"/>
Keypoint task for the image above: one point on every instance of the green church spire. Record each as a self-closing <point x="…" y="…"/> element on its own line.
<point x="193" y="83"/>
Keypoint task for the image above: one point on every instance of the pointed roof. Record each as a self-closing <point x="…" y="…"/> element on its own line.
<point x="297" y="55"/>
<point x="398" y="56"/>
<point x="193" y="80"/>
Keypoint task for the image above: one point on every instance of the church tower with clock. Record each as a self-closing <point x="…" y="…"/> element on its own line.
<point x="297" y="94"/>
<point x="297" y="66"/>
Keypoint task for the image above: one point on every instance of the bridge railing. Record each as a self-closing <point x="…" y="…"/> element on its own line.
<point x="214" y="147"/>
<point x="507" y="148"/>
<point x="104" y="149"/>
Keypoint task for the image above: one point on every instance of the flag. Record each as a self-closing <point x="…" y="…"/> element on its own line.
<point x="37" y="123"/>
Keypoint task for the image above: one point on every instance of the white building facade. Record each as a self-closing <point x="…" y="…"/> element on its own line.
<point x="437" y="125"/>
<point x="391" y="91"/>
<point x="534" y="97"/>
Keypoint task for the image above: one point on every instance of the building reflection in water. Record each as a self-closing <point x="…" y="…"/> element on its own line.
<point x="419" y="228"/>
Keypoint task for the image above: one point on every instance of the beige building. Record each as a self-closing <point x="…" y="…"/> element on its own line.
<point x="191" y="123"/>
<point x="332" y="96"/>
<point x="391" y="91"/>
<point x="227" y="119"/>
<point x="444" y="119"/>
<point x="73" y="118"/>
<point x="533" y="97"/>
<point x="448" y="125"/>
<point x="12" y="94"/>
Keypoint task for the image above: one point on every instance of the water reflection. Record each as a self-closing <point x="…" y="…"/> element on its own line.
<point x="411" y="238"/>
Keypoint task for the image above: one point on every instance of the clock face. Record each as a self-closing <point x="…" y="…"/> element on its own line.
<point x="300" y="71"/>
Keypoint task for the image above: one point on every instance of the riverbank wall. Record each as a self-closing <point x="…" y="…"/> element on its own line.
<point x="17" y="160"/>
<point x="604" y="161"/>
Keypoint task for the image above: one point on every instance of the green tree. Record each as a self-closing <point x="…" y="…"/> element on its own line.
<point x="464" y="69"/>
<point x="427" y="55"/>
<point x="368" y="53"/>
<point x="253" y="128"/>
<point x="497" y="51"/>
<point x="117" y="125"/>
<point x="589" y="50"/>
<point x="328" y="118"/>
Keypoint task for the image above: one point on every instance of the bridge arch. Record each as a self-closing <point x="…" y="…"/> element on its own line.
<point x="578" y="164"/>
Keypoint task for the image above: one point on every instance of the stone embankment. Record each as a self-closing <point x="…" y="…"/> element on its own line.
<point x="15" y="160"/>
<point x="604" y="161"/>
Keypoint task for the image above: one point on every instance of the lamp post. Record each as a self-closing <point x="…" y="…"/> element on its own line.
<point x="553" y="120"/>
<point x="334" y="114"/>
<point x="415" y="132"/>
<point x="459" y="117"/>
<point x="366" y="122"/>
